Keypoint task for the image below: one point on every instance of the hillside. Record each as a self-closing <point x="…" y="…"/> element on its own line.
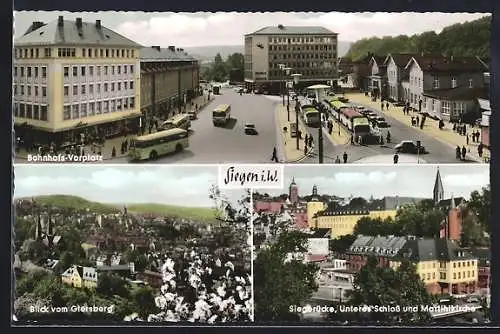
<point x="209" y="52"/>
<point x="75" y="202"/>
<point x="201" y="214"/>
<point x="461" y="39"/>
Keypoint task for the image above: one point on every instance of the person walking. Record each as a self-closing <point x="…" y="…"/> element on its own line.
<point x="274" y="156"/>
<point x="467" y="140"/>
<point x="306" y="139"/>
<point x="387" y="106"/>
<point x="344" y="156"/>
<point x="458" y="153"/>
<point x="382" y="105"/>
<point x="464" y="152"/>
<point x="480" y="150"/>
<point x="395" y="159"/>
<point x="337" y="160"/>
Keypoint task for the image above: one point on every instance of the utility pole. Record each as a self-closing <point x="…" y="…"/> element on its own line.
<point x="283" y="85"/>
<point x="179" y="97"/>
<point x="297" y="109"/>
<point x="320" y="135"/>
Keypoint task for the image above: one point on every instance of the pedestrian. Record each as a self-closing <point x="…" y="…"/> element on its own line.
<point x="310" y="141"/>
<point x="458" y="153"/>
<point x="306" y="139"/>
<point x="344" y="156"/>
<point x="395" y="159"/>
<point x="464" y="152"/>
<point x="417" y="120"/>
<point x="387" y="106"/>
<point x="352" y="139"/>
<point x="480" y="150"/>
<point x="122" y="149"/>
<point x="274" y="157"/>
<point x="113" y="152"/>
<point x="454" y="127"/>
<point x="477" y="136"/>
<point x="337" y="160"/>
<point x="388" y="137"/>
<point x="382" y="105"/>
<point x="305" y="149"/>
<point x="467" y="140"/>
<point x="412" y="121"/>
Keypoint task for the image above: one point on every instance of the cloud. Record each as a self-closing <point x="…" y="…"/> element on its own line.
<point x="470" y="180"/>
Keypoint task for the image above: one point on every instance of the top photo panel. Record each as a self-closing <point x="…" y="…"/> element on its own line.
<point x="206" y="88"/>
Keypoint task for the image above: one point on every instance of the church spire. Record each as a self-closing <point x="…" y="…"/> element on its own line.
<point x="438" y="192"/>
<point x="453" y="204"/>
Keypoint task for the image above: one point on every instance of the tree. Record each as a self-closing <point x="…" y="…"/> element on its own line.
<point x="144" y="301"/>
<point x="472" y="233"/>
<point x="375" y="226"/>
<point x="358" y="203"/>
<point x="341" y="244"/>
<point x="111" y="284"/>
<point x="278" y="284"/>
<point x="421" y="220"/>
<point x="480" y="204"/>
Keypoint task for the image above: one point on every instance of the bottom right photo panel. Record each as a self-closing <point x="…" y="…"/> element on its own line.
<point x="368" y="244"/>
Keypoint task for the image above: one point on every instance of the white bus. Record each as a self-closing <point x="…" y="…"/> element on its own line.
<point x="181" y="121"/>
<point x="157" y="144"/>
<point x="221" y="115"/>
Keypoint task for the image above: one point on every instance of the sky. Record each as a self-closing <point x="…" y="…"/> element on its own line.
<point x="405" y="181"/>
<point x="212" y="29"/>
<point x="172" y="185"/>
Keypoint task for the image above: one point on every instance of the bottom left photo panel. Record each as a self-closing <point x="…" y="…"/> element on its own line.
<point x="121" y="243"/>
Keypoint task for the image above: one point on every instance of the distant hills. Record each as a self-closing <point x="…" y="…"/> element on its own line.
<point x="208" y="53"/>
<point x="79" y="203"/>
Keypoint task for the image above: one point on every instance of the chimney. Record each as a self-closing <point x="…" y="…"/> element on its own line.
<point x="78" y="22"/>
<point x="171" y="48"/>
<point x="98" y="24"/>
<point x="60" y="21"/>
<point x="157" y="47"/>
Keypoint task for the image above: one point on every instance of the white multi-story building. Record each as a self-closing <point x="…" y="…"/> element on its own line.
<point x="309" y="51"/>
<point x="74" y="77"/>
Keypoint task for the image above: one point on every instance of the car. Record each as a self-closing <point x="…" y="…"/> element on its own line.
<point x="379" y="119"/>
<point x="382" y="124"/>
<point x="360" y="108"/>
<point x="250" y="129"/>
<point x="192" y="115"/>
<point x="371" y="115"/>
<point x="410" y="147"/>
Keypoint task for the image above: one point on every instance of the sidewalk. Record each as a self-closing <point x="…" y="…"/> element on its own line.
<point x="291" y="154"/>
<point x="431" y="126"/>
<point x="339" y="136"/>
<point x="107" y="148"/>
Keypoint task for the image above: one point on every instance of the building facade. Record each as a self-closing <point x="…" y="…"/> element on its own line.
<point x="396" y="72"/>
<point x="485" y="108"/>
<point x="169" y="80"/>
<point x="80" y="277"/>
<point x="378" y="77"/>
<point x="309" y="51"/>
<point x="73" y="78"/>
<point x="445" y="87"/>
<point x="442" y="265"/>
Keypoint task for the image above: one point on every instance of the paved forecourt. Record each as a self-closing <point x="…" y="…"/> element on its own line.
<point x="210" y="144"/>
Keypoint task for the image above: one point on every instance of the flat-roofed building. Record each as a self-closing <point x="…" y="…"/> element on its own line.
<point x="309" y="51"/>
<point x="72" y="78"/>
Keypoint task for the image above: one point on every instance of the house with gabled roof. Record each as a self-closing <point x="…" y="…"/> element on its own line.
<point x="80" y="277"/>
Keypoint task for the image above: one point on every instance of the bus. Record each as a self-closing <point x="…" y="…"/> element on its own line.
<point x="221" y="115"/>
<point x="336" y="107"/>
<point x="356" y="123"/>
<point x="311" y="116"/>
<point x="157" y="144"/>
<point x="216" y="90"/>
<point x="181" y="121"/>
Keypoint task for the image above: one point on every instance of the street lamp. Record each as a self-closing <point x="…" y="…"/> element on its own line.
<point x="296" y="78"/>
<point x="287" y="72"/>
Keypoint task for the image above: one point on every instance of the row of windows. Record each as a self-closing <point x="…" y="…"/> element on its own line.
<point x="31" y="111"/>
<point x="83" y="70"/>
<point x="301" y="48"/>
<point x="82" y="110"/>
<point x="30" y="71"/>
<point x="301" y="39"/>
<point x="279" y="74"/>
<point x="304" y="56"/>
<point x="304" y="64"/>
<point x="30" y="90"/>
<point x="106" y="87"/>
<point x="75" y="52"/>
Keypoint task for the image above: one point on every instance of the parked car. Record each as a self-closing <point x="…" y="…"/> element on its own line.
<point x="250" y="129"/>
<point x="382" y="124"/>
<point x="192" y="115"/>
<point x="410" y="147"/>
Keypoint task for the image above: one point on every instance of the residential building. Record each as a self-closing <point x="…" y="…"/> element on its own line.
<point x="169" y="80"/>
<point x="361" y="72"/>
<point x="80" y="277"/>
<point x="445" y="87"/>
<point x="442" y="265"/>
<point x="378" y="76"/>
<point x="396" y="72"/>
<point x="314" y="205"/>
<point x="309" y="51"/>
<point x="73" y="78"/>
<point x="485" y="108"/>
<point x="483" y="255"/>
<point x="395" y="202"/>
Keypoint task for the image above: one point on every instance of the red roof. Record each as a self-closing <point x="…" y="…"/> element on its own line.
<point x="264" y="206"/>
<point x="301" y="220"/>
<point x="350" y="112"/>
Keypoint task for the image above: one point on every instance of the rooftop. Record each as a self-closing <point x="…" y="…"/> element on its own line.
<point x="73" y="33"/>
<point x="156" y="53"/>
<point x="458" y="93"/>
<point x="293" y="30"/>
<point x="400" y="59"/>
<point x="436" y="64"/>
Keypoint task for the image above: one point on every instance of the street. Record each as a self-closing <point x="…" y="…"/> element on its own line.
<point x="439" y="152"/>
<point x="210" y="144"/>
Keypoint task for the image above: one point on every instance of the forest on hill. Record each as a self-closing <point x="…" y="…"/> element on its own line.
<point x="462" y="39"/>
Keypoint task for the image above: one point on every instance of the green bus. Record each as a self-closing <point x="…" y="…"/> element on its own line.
<point x="157" y="144"/>
<point x="221" y="115"/>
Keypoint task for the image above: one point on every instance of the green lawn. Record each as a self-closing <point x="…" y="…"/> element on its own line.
<point x="200" y="214"/>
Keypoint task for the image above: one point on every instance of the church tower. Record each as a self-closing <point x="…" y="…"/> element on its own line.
<point x="314" y="206"/>
<point x="293" y="192"/>
<point x="438" y="192"/>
